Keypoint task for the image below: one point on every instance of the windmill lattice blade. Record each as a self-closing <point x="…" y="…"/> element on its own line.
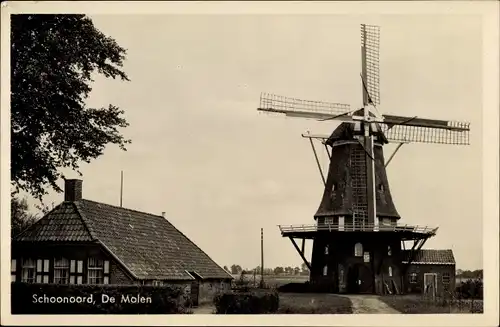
<point x="301" y="108"/>
<point x="407" y="133"/>
<point x="370" y="42"/>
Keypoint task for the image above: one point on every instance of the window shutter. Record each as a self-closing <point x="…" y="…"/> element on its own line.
<point x="13" y="270"/>
<point x="79" y="279"/>
<point x="80" y="267"/>
<point x="72" y="279"/>
<point x="39" y="264"/>
<point x="46" y="263"/>
<point x="106" y="272"/>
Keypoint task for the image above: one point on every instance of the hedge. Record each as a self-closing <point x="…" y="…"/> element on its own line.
<point x="96" y="299"/>
<point x="256" y="302"/>
<point x="470" y="289"/>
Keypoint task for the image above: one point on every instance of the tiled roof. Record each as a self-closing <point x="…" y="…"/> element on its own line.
<point x="431" y="256"/>
<point x="148" y="245"/>
<point x="61" y="224"/>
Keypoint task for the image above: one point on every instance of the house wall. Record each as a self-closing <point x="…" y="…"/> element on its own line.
<point x="344" y="269"/>
<point x="210" y="288"/>
<point x="82" y="251"/>
<point x="421" y="269"/>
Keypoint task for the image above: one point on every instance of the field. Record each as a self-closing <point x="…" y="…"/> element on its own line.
<point x="304" y="303"/>
<point x="272" y="281"/>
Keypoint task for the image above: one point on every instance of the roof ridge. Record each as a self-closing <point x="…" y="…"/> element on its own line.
<point x="123" y="208"/>
<point x="84" y="220"/>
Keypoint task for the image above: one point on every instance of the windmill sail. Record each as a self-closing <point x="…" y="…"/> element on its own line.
<point x="370" y="44"/>
<point x="293" y="107"/>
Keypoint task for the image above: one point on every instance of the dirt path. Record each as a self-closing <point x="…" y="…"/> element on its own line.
<point x="204" y="310"/>
<point x="369" y="304"/>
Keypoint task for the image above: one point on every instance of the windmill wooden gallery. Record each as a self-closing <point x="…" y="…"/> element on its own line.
<point x="359" y="246"/>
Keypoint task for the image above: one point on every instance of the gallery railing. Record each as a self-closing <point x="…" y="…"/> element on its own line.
<point x="357" y="228"/>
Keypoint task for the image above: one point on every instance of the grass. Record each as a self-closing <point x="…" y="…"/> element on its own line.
<point x="416" y="304"/>
<point x="309" y="303"/>
<point x="273" y="281"/>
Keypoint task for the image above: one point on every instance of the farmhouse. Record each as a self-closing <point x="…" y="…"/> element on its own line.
<point x="429" y="266"/>
<point x="86" y="242"/>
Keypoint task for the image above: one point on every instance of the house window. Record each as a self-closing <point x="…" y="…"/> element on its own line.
<point x="413" y="278"/>
<point x="13" y="267"/>
<point x="98" y="271"/>
<point x="28" y="271"/>
<point x="61" y="271"/>
<point x="326" y="249"/>
<point x="329" y="221"/>
<point x="390" y="271"/>
<point x="157" y="283"/>
<point x="95" y="271"/>
<point x="358" y="250"/>
<point x="325" y="270"/>
<point x="446" y="278"/>
<point x="42" y="270"/>
<point x="389" y="251"/>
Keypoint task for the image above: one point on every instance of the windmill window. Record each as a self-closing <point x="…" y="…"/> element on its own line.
<point x="413" y="278"/>
<point x="358" y="250"/>
<point x="390" y="271"/>
<point x="334" y="187"/>
<point x="381" y="187"/>
<point x="329" y="221"/>
<point x="446" y="278"/>
<point x="61" y="271"/>
<point x="389" y="251"/>
<point x="326" y="249"/>
<point x="325" y="270"/>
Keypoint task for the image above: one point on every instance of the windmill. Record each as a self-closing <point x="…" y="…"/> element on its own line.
<point x="357" y="144"/>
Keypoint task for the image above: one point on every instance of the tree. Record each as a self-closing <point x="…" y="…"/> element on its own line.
<point x="20" y="217"/>
<point x="296" y="270"/>
<point x="305" y="270"/>
<point x="236" y="269"/>
<point x="278" y="270"/>
<point x="53" y="58"/>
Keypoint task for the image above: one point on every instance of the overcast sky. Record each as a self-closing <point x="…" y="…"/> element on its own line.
<point x="220" y="170"/>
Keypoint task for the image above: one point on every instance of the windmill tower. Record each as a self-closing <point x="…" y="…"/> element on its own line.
<point x="358" y="241"/>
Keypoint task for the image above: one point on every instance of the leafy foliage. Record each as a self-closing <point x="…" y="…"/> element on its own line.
<point x="53" y="58"/>
<point x="21" y="218"/>
<point x="165" y="299"/>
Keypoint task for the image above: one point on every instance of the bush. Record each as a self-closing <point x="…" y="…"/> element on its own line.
<point x="68" y="299"/>
<point x="247" y="302"/>
<point x="470" y="289"/>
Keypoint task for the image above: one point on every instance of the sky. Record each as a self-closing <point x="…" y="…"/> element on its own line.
<point x="222" y="171"/>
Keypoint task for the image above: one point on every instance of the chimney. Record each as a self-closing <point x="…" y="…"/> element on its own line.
<point x="73" y="189"/>
<point x="163" y="214"/>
